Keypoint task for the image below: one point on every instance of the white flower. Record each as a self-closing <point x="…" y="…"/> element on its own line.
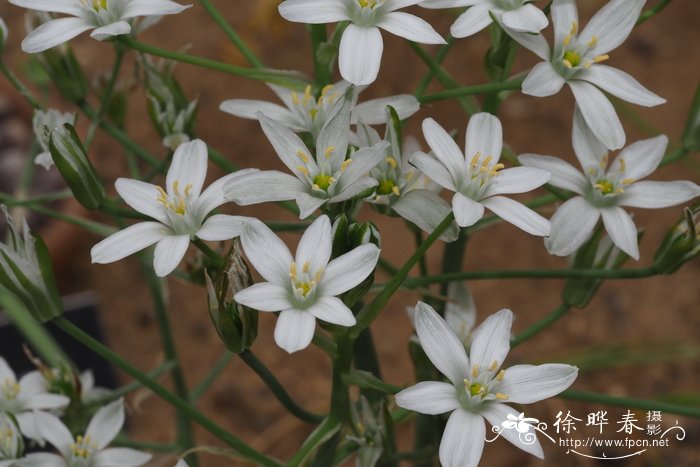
<point x="361" y="46"/>
<point x="108" y="18"/>
<point x="604" y="187"/>
<point x="517" y="15"/>
<point x="460" y="312"/>
<point x="89" y="450"/>
<point x="305" y="113"/>
<point x="180" y="211"/>
<point x="575" y="60"/>
<point x="305" y="287"/>
<point x="11" y="445"/>
<point x="44" y="122"/>
<point x="326" y="178"/>
<point x="476" y="176"/>
<point x="477" y="389"/>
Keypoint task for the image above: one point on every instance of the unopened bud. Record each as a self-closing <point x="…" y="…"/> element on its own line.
<point x="43" y="123"/>
<point x="681" y="244"/>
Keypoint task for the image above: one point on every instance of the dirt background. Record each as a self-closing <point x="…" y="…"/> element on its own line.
<point x="662" y="54"/>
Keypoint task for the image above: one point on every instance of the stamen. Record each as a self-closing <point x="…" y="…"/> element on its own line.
<point x="486" y="161"/>
<point x="319" y="275"/>
<point x="303" y="169"/>
<point x="567" y="40"/>
<point x="593" y="41"/>
<point x="176" y="187"/>
<point x="567" y="64"/>
<point x="501" y="375"/>
<point x="392" y="162"/>
<point x="329" y="151"/>
<point x="628" y="181"/>
<point x="601" y="58"/>
<point x="475" y="371"/>
<point x="295" y="98"/>
<point x="604" y="161"/>
<point x="188" y="189"/>
<point x="493" y="366"/>
<point x="475" y="160"/>
<point x="501" y="396"/>
<point x="326" y="89"/>
<point x="303" y="156"/>
<point x="396" y="190"/>
<point x="306" y="267"/>
<point x="622" y="164"/>
<point x="293" y="271"/>
<point x="574" y="28"/>
<point x="345" y="165"/>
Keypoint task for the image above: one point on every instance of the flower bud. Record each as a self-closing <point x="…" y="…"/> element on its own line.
<point x="72" y="162"/>
<point x="25" y="270"/>
<point x="369" y="429"/>
<point x="361" y="234"/>
<point x="65" y="73"/>
<point x="237" y="325"/>
<point x="43" y="123"/>
<point x="691" y="133"/>
<point x="11" y="443"/>
<point x="681" y="244"/>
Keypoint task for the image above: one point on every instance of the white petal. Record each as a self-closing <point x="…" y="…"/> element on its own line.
<point x="287" y="144"/>
<point x="620" y="84"/>
<point x="429" y="397"/>
<point x="308" y="204"/>
<point x="466" y="210"/>
<point x="294" y="330"/>
<point x="471" y="21"/>
<point x="527" y="18"/>
<point x="440" y="344"/>
<point x="213" y="196"/>
<point x="373" y="112"/>
<point x="42" y="459"/>
<point x="6" y="373"/>
<point x="491" y="341"/>
<point x="588" y="148"/>
<point x="564" y="15"/>
<point x="599" y="114"/>
<point x="535" y="43"/>
<point x="398" y="4"/>
<point x="264" y="296"/>
<point x="433" y="169"/>
<point x="222" y="227"/>
<point x="247" y="108"/>
<point x="525" y="384"/>
<point x="169" y="252"/>
<point x="32" y="383"/>
<point x="188" y="168"/>
<point x="106" y="424"/>
<point x="517" y="180"/>
<point x="52" y="429"/>
<point x="53" y="33"/>
<point x="152" y="8"/>
<point x="410" y="27"/>
<point x="435" y="4"/>
<point x="640" y="159"/>
<point x="426" y="209"/>
<point x="121" y="457"/>
<point x="44" y="159"/>
<point x="127" y="241"/>
<point x="349" y="270"/>
<point x="460" y="311"/>
<point x="519" y="215"/>
<point x="659" y="194"/>
<point x="360" y="54"/>
<point x="445" y="149"/>
<point x="463" y="440"/>
<point x="363" y="161"/>
<point x="496" y="414"/>
<point x="267" y="253"/>
<point x="313" y="11"/>
<point x="45" y="401"/>
<point x="543" y="81"/>
<point x="69" y="7"/>
<point x="622" y="230"/>
<point x="572" y="225"/>
<point x="262" y="187"/>
<point x="485" y="136"/>
<point x="142" y="197"/>
<point x="612" y="24"/>
<point x="564" y="175"/>
<point x="114" y="29"/>
<point x="315" y="245"/>
<point x="332" y="310"/>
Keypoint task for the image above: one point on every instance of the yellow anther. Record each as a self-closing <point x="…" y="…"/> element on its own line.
<point x="163" y="198"/>
<point x="319" y="275"/>
<point x="295" y="98"/>
<point x="313" y="112"/>
<point x="628" y="181"/>
<point x="303" y="156"/>
<point x="392" y="162"/>
<point x="329" y="151"/>
<point x="307" y="93"/>
<point x="483" y="169"/>
<point x="601" y="58"/>
<point x="496" y="168"/>
<point x="345" y="165"/>
<point x="486" y="161"/>
<point x="567" y="40"/>
<point x="475" y="159"/>
<point x="604" y="161"/>
<point x="326" y="89"/>
<point x="501" y="396"/>
<point x="501" y="374"/>
<point x="493" y="366"/>
<point x="303" y="169"/>
<point x="567" y="64"/>
<point x="587" y="64"/>
<point x="475" y="371"/>
<point x="574" y="28"/>
<point x="293" y="270"/>
<point x="622" y="164"/>
<point x="619" y="190"/>
<point x="315" y="187"/>
<point x="306" y="267"/>
<point x="571" y="57"/>
<point x="593" y="41"/>
<point x="176" y="187"/>
<point x="188" y="189"/>
<point x="396" y="190"/>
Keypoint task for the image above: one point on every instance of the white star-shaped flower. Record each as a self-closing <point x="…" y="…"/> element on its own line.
<point x="180" y="212"/>
<point x="477" y="389"/>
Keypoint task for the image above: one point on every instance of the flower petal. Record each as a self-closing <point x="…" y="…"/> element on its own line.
<point x="463" y="440"/>
<point x="143" y="197"/>
<point x="266" y="252"/>
<point x="360" y="54"/>
<point x="564" y="175"/>
<point x="53" y="33"/>
<point x="440" y="344"/>
<point x="640" y="159"/>
<point x="121" y="457"/>
<point x="445" y="149"/>
<point x="52" y="429"/>
<point x="222" y="227"/>
<point x="659" y="194"/>
<point x="572" y="225"/>
<point x="621" y="85"/>
<point x="114" y="29"/>
<point x="517" y="180"/>
<point x="588" y="148"/>
<point x="69" y="7"/>
<point x="127" y="242"/>
<point x="467" y="211"/>
<point x="426" y="209"/>
<point x="332" y="310"/>
<point x="6" y="373"/>
<point x="543" y="81"/>
<point x="188" y="168"/>
<point x="247" y="108"/>
<point x="294" y="330"/>
<point x="106" y="424"/>
<point x="622" y="230"/>
<point x="313" y="11"/>
<point x="519" y="215"/>
<point x="152" y="8"/>
<point x="349" y="270"/>
<point x="527" y="18"/>
<point x="471" y="21"/>
<point x="169" y="253"/>
<point x="564" y="16"/>
<point x="288" y="145"/>
<point x="433" y="169"/>
<point x="262" y="187"/>
<point x="612" y="24"/>
<point x="535" y="43"/>
<point x="213" y="196"/>
<point x="308" y="204"/>
<point x="599" y="114"/>
<point x="410" y="27"/>
<point x="429" y="397"/>
<point x="362" y="162"/>
<point x="525" y="384"/>
<point x="373" y="112"/>
<point x="42" y="459"/>
<point x="315" y="245"/>
<point x="45" y="402"/>
<point x="496" y="414"/>
<point x="491" y="342"/>
<point x="485" y="136"/>
<point x="264" y="296"/>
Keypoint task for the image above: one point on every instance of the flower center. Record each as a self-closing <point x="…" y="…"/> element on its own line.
<point x="304" y="282"/>
<point x="179" y="202"/>
<point x="95" y="5"/>
<point x="323" y="181"/>
<point x="9" y="389"/>
<point x="313" y="109"/>
<point x="479" y="387"/>
<point x="571" y="58"/>
<point x="388" y="187"/>
<point x="369" y="3"/>
<point x="82" y="451"/>
<point x="607" y="184"/>
<point x="577" y="55"/>
<point x="480" y="172"/>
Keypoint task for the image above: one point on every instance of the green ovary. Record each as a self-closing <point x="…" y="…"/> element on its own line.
<point x="572" y="57"/>
<point x="323" y="181"/>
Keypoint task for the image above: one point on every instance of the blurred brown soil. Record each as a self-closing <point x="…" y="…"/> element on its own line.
<point x="662" y="54"/>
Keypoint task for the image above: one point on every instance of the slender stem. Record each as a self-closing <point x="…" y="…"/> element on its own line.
<point x="326" y="429"/>
<point x="439" y="58"/>
<point x="674" y="156"/>
<point x="541" y="325"/>
<point x="213" y="256"/>
<point x="132" y="386"/>
<point x="318" y="38"/>
<point x="510" y="85"/>
<point x="12" y="201"/>
<point x="91" y="226"/>
<point x="630" y="402"/>
<point x="231" y="34"/>
<point x="277" y="389"/>
<point x="269" y="76"/>
<point x="195" y="415"/>
<point x="208" y="380"/>
<point x="107" y="95"/>
<point x="122" y="441"/>
<point x="653" y="11"/>
<point x="19" y="86"/>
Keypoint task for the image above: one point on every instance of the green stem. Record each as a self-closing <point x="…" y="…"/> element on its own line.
<point x="231" y="34"/>
<point x="630" y="402"/>
<point x="19" y="86"/>
<point x="122" y="441"/>
<point x="277" y="389"/>
<point x="208" y="380"/>
<point x="132" y="386"/>
<point x="541" y="325"/>
<point x="318" y="38"/>
<point x="91" y="226"/>
<point x="439" y="58"/>
<point x="196" y="416"/>
<point x="510" y="85"/>
<point x="653" y="11"/>
<point x="107" y="95"/>
<point x="324" y="431"/>
<point x="214" y="257"/>
<point x="269" y="76"/>
<point x="12" y="201"/>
